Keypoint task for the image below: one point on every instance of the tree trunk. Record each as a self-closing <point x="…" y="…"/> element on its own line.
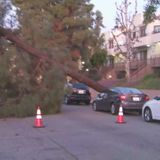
<point x="7" y="34"/>
<point x="127" y="68"/>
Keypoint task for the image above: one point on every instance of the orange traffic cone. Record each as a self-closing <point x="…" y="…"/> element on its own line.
<point x="38" y="121"/>
<point x="120" y="117"/>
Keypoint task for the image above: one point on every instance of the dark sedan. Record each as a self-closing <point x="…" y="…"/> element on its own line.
<point x="128" y="98"/>
<point x="79" y="92"/>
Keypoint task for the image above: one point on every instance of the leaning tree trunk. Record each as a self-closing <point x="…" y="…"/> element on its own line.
<point x="7" y="34"/>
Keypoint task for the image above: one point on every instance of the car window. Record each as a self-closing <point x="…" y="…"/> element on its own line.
<point x="102" y="95"/>
<point x="126" y="90"/>
<point x="79" y="86"/>
<point x="115" y="90"/>
<point x="105" y="95"/>
<point x="98" y="96"/>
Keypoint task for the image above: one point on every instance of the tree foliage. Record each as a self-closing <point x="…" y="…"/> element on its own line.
<point x="58" y="28"/>
<point x="150" y="10"/>
<point x="99" y="58"/>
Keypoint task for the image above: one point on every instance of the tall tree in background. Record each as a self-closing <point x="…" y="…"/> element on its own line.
<point x="77" y="27"/>
<point x="57" y="28"/>
<point x="150" y="10"/>
<point x="124" y="23"/>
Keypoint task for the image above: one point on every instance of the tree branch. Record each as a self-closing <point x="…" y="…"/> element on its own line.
<point x="7" y="34"/>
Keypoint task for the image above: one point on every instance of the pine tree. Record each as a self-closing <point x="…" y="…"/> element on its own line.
<point x="56" y="28"/>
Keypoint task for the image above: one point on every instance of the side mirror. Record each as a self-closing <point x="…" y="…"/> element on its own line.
<point x="105" y="95"/>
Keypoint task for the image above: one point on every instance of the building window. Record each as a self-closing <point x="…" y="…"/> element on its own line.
<point x="111" y="43"/>
<point x="134" y="35"/>
<point x="157" y="29"/>
<point x="142" y="31"/>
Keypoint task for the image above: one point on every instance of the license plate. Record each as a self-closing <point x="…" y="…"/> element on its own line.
<point x="81" y="91"/>
<point x="136" y="99"/>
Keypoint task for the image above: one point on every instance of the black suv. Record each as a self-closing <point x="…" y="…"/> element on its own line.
<point x="78" y="93"/>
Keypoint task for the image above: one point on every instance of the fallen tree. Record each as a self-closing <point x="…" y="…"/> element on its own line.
<point x="9" y="35"/>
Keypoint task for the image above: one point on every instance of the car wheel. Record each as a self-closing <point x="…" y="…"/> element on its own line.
<point x="94" y="106"/>
<point x="147" y="115"/>
<point x="113" y="109"/>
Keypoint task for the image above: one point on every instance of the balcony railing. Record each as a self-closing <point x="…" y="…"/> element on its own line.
<point x="134" y="65"/>
<point x="154" y="62"/>
<point x="137" y="64"/>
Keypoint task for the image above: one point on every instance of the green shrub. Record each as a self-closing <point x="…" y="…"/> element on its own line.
<point x="149" y="82"/>
<point x="25" y="108"/>
<point x="49" y="96"/>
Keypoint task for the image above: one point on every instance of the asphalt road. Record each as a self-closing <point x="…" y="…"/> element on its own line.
<point x="78" y="133"/>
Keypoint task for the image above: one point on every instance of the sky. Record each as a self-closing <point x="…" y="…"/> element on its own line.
<point x="108" y="10"/>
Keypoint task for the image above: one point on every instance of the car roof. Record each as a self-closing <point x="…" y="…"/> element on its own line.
<point x="79" y="85"/>
<point x="127" y="90"/>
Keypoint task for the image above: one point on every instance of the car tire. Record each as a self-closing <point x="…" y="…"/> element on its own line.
<point x="147" y="115"/>
<point x="94" y="106"/>
<point x="113" y="109"/>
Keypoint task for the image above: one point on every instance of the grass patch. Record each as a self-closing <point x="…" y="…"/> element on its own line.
<point x="149" y="82"/>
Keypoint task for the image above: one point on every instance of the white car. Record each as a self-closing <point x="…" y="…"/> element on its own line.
<point x="151" y="109"/>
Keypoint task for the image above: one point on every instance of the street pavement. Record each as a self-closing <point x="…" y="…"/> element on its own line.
<point x="78" y="133"/>
<point x="20" y="141"/>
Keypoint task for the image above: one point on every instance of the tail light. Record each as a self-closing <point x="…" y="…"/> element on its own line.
<point x="146" y="98"/>
<point x="122" y="97"/>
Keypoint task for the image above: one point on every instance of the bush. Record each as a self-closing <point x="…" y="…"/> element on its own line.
<point x="150" y="82"/>
<point x="49" y="96"/>
<point x="24" y="109"/>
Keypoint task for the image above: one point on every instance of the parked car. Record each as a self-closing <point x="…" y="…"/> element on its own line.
<point x="78" y="93"/>
<point x="128" y="98"/>
<point x="151" y="109"/>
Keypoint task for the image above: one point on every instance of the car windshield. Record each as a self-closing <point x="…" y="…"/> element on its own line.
<point x="79" y="86"/>
<point x="126" y="90"/>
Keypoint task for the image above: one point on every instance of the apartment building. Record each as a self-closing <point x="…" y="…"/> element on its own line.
<point x="146" y="44"/>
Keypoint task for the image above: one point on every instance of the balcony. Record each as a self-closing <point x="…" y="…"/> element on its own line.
<point x="154" y="62"/>
<point x="134" y="65"/>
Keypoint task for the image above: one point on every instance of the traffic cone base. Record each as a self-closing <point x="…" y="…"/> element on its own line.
<point x="120" y="117"/>
<point x="38" y="121"/>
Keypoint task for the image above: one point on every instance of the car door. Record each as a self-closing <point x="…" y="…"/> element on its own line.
<point x="99" y="101"/>
<point x="105" y="101"/>
<point x="157" y="107"/>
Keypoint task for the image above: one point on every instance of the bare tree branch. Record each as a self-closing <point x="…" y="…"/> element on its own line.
<point x="114" y="37"/>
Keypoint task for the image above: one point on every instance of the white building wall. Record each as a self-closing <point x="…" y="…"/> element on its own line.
<point x="150" y="41"/>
